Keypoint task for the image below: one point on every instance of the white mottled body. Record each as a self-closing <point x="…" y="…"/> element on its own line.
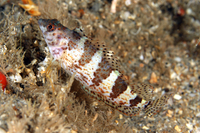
<point x="91" y="64"/>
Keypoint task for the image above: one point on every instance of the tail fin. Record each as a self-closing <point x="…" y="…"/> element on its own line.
<point x="155" y="106"/>
<point x="145" y="91"/>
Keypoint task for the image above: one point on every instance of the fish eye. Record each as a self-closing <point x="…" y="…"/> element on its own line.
<point x="50" y="27"/>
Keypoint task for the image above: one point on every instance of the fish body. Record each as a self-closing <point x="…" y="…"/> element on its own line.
<point x="97" y="70"/>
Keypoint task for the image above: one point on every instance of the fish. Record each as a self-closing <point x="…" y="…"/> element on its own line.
<point x="97" y="69"/>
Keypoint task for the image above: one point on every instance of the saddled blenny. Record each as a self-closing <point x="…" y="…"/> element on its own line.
<point x="97" y="69"/>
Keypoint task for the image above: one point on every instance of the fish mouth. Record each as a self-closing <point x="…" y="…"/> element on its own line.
<point x="40" y="21"/>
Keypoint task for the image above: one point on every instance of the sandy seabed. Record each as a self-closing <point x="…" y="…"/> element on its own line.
<point x="157" y="42"/>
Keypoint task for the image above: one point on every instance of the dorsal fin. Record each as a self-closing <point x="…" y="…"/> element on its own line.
<point x="108" y="55"/>
<point x="112" y="59"/>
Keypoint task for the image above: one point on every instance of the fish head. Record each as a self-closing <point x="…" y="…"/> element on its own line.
<point x="53" y="31"/>
<point x="49" y="25"/>
<point x="55" y="35"/>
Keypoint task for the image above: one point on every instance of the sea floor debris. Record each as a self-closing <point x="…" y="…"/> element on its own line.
<point x="156" y="42"/>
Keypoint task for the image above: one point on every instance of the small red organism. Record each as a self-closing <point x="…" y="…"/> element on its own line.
<point x="81" y="12"/>
<point x="3" y="81"/>
<point x="181" y="11"/>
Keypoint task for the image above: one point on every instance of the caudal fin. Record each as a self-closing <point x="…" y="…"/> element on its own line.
<point x="145" y="91"/>
<point x="155" y="106"/>
<point x="143" y="101"/>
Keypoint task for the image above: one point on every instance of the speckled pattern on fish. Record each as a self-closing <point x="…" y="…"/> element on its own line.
<point x="97" y="69"/>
